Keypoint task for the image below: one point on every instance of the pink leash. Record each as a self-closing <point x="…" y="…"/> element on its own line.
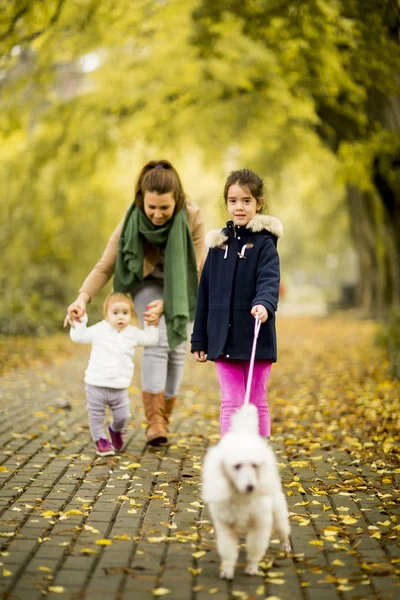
<point x="257" y="326"/>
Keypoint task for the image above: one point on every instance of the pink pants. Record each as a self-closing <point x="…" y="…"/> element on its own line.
<point x="232" y="375"/>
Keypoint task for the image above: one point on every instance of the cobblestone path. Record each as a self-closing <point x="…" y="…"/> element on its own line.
<point x="76" y="526"/>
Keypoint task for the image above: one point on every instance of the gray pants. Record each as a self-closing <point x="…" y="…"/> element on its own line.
<point x="162" y="368"/>
<point x="98" y="398"/>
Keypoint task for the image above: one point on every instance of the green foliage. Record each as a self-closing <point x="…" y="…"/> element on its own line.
<point x="210" y="84"/>
<point x="389" y="339"/>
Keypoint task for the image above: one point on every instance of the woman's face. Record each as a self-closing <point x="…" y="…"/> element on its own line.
<point x="241" y="205"/>
<point x="159" y="208"/>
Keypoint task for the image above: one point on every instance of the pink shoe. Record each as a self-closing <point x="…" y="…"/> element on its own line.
<point x="116" y="439"/>
<point x="104" y="448"/>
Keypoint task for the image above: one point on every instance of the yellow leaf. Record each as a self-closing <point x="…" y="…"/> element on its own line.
<point x="194" y="571"/>
<point x="338" y="563"/>
<point x="6" y="573"/>
<point x="88" y="551"/>
<point x="161" y="591"/>
<point x="74" y="511"/>
<point x="104" y="542"/>
<point x="198" y="554"/>
<point x="49" y="513"/>
<point x="260" y="591"/>
<point x="44" y="569"/>
<point x="384" y="523"/>
<point x="277" y="581"/>
<point x="57" y="589"/>
<point x="347" y="520"/>
<point x="304" y="523"/>
<point x="4" y="469"/>
<point x="316" y="543"/>
<point x="345" y="588"/>
<point x="123" y="537"/>
<point x="91" y="529"/>
<point x="376" y="535"/>
<point x="213" y="590"/>
<point x="136" y="466"/>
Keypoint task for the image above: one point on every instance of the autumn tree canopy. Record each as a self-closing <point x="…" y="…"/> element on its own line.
<point x="305" y="93"/>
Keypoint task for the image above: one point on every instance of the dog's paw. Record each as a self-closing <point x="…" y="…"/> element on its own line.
<point x="226" y="572"/>
<point x="251" y="568"/>
<point x="286" y="546"/>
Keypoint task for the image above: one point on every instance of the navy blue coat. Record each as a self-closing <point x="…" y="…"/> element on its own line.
<point x="241" y="270"/>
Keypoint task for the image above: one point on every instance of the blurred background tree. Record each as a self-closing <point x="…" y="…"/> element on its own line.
<point x="306" y="94"/>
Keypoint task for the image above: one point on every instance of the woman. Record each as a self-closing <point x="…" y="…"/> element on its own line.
<point x="156" y="254"/>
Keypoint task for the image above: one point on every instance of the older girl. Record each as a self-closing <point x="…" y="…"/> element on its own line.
<point x="240" y="281"/>
<point x="156" y="254"/>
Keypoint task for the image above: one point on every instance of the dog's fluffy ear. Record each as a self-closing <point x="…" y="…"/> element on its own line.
<point x="268" y="474"/>
<point x="215" y="484"/>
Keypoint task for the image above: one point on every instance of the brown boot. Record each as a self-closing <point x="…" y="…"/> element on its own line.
<point x="169" y="407"/>
<point x="154" y="409"/>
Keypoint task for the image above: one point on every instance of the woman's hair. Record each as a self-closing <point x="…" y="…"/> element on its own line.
<point x="246" y="177"/>
<point x="160" y="177"/>
<point x="117" y="297"/>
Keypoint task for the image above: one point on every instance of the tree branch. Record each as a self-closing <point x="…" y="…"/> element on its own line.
<point x="35" y="34"/>
<point x="14" y="20"/>
<point x="54" y="19"/>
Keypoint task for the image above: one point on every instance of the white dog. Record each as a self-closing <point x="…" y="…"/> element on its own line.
<point x="243" y="490"/>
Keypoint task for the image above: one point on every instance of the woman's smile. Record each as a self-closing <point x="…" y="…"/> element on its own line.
<point x="159" y="208"/>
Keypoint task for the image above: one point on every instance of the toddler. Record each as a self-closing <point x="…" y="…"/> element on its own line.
<point x="110" y="369"/>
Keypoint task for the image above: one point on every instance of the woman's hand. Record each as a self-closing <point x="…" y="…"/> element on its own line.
<point x="154" y="312"/>
<point x="76" y="310"/>
<point x="200" y="356"/>
<point x="260" y="312"/>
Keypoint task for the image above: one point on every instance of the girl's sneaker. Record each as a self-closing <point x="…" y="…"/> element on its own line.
<point x="104" y="448"/>
<point x="116" y="439"/>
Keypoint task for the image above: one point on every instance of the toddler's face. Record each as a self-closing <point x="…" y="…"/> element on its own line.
<point x="119" y="315"/>
<point x="241" y="205"/>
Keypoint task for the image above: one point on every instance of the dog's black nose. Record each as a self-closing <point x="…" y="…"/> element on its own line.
<point x="250" y="488"/>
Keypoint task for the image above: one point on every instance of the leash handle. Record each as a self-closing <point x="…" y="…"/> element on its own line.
<point x="257" y="326"/>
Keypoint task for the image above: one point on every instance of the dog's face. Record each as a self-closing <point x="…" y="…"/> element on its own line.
<point x="242" y="474"/>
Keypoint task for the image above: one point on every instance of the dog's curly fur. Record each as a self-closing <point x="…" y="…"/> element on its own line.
<point x="243" y="491"/>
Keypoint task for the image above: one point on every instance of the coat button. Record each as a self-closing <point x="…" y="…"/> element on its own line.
<point x="227" y="356"/>
<point x="238" y="237"/>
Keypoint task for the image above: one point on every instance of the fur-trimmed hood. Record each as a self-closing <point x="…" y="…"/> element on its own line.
<point x="216" y="237"/>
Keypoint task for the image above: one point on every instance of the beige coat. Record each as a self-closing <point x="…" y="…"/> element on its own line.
<point x="104" y="269"/>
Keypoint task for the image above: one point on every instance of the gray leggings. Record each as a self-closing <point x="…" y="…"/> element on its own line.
<point x="98" y="398"/>
<point x="162" y="368"/>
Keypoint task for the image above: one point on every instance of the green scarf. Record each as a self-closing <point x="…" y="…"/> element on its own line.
<point x="180" y="268"/>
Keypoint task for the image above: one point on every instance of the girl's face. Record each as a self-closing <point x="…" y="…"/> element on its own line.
<point x="119" y="315"/>
<point x="159" y="208"/>
<point x="241" y="205"/>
